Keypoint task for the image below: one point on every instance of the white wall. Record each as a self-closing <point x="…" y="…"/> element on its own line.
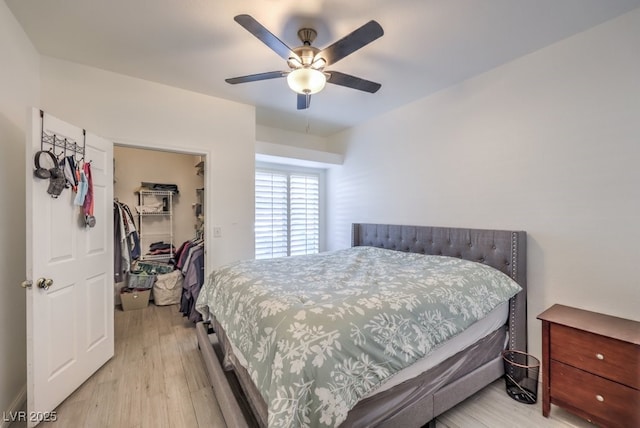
<point x="151" y="115"/>
<point x="267" y="134"/>
<point x="19" y="89"/>
<point x="548" y="144"/>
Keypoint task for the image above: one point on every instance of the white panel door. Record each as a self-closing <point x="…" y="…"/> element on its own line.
<point x="69" y="323"/>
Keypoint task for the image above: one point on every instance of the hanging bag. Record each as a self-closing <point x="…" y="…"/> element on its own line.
<point x="167" y="290"/>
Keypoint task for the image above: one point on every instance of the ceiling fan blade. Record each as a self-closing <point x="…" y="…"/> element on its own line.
<point x="354" y="82"/>
<point x="266" y="36"/>
<point x="351" y="42"/>
<point x="304" y="101"/>
<point x="256" y="77"/>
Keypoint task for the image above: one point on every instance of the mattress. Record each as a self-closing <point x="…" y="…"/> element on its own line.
<point x="494" y="320"/>
<point x="403" y="392"/>
<point x="480" y="329"/>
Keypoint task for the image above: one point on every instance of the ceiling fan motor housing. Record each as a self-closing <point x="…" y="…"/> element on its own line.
<point x="307" y="35"/>
<point x="307" y="54"/>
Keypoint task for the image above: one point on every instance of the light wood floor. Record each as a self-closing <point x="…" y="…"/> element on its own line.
<point x="492" y="408"/>
<point x="157" y="379"/>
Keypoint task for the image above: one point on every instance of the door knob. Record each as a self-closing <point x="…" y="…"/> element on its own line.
<point x="26" y="284"/>
<point x="45" y="283"/>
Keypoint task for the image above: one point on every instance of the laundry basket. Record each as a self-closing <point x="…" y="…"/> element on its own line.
<point x="140" y="280"/>
<point x="521" y="372"/>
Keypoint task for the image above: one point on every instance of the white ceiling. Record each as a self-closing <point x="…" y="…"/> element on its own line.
<point x="428" y="45"/>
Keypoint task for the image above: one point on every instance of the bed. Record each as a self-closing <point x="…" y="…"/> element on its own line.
<point x="412" y="399"/>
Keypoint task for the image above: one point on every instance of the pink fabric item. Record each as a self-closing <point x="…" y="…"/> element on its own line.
<point x="88" y="200"/>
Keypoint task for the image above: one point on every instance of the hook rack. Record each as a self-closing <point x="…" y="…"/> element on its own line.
<point x="63" y="144"/>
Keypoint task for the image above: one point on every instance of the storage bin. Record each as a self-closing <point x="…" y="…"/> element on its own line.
<point x="140" y="280"/>
<point x="154" y="268"/>
<point x="134" y="299"/>
<point x="521" y="372"/>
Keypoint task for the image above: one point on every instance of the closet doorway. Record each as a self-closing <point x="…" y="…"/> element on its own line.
<point x="165" y="192"/>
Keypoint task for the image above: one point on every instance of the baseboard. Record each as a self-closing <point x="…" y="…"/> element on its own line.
<point x="17" y="405"/>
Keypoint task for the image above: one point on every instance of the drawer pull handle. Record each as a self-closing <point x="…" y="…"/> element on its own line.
<point x="600" y="356"/>
<point x="600" y="398"/>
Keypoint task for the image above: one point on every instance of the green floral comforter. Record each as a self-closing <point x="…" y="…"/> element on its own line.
<point x="319" y="332"/>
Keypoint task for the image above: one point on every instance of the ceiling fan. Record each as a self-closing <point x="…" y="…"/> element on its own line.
<point x="307" y="74"/>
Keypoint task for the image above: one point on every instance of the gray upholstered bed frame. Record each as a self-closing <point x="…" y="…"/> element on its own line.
<point x="503" y="250"/>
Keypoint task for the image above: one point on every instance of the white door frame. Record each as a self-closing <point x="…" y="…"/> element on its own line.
<point x="188" y="150"/>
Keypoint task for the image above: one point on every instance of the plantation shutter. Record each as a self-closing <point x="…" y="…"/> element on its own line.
<point x="287" y="214"/>
<point x="304" y="214"/>
<point x="271" y="224"/>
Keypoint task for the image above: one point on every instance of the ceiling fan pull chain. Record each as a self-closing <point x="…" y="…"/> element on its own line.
<point x="307" y="115"/>
<point x="308" y="127"/>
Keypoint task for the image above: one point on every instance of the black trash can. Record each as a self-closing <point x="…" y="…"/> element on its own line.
<point x="521" y="372"/>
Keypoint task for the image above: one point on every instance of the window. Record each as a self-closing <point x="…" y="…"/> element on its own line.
<point x="287" y="213"/>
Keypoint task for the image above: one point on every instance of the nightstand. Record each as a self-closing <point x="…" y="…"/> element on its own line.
<point x="591" y="365"/>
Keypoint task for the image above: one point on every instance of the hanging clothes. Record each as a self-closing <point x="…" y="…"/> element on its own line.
<point x="83" y="187"/>
<point x="134" y="237"/>
<point x="126" y="240"/>
<point x="68" y="166"/>
<point x="190" y="261"/>
<point x="118" y="271"/>
<point x="87" y="205"/>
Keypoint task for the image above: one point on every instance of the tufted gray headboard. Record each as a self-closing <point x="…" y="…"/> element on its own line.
<point x="500" y="249"/>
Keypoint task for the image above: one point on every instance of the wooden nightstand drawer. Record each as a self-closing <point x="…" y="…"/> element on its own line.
<point x="608" y="402"/>
<point x="604" y="356"/>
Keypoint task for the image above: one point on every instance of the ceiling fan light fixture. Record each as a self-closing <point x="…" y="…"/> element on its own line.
<point x="294" y="63"/>
<point x="306" y="80"/>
